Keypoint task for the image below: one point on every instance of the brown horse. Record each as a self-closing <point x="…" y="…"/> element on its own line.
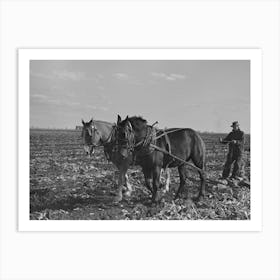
<point x="101" y="133"/>
<point x="135" y="137"/>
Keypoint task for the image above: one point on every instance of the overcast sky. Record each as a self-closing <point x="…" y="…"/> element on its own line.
<point x="204" y="95"/>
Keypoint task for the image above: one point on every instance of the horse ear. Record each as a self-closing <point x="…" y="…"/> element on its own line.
<point x="83" y="122"/>
<point x="119" y="119"/>
<point x="126" y="118"/>
<point x="91" y="121"/>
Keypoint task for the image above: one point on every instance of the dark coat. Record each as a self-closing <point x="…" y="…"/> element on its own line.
<point x="235" y="149"/>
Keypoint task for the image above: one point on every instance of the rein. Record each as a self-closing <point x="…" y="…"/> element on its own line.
<point x="175" y="157"/>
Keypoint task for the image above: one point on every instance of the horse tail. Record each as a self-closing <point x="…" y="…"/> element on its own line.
<point x="198" y="154"/>
<point x="199" y="159"/>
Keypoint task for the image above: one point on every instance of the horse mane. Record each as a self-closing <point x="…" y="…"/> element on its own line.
<point x="105" y="122"/>
<point x="137" y="122"/>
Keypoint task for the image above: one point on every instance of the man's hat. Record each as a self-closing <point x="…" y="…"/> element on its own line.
<point x="235" y="123"/>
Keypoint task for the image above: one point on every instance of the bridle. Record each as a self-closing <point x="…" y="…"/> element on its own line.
<point x="128" y="141"/>
<point x="92" y="131"/>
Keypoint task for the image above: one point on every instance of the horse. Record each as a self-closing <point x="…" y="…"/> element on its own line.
<point x="154" y="149"/>
<point x="101" y="133"/>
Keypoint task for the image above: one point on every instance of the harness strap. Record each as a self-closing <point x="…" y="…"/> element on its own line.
<point x="163" y="132"/>
<point x="167" y="141"/>
<point x="175" y="157"/>
<point x="149" y="138"/>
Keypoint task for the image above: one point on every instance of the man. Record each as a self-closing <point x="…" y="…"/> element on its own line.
<point x="236" y="141"/>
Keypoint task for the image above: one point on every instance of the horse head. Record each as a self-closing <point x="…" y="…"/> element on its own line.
<point x="125" y="139"/>
<point x="90" y="136"/>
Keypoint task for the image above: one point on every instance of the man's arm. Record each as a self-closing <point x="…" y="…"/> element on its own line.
<point x="227" y="139"/>
<point x="241" y="140"/>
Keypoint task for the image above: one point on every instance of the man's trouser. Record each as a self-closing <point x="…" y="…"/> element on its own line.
<point x="238" y="167"/>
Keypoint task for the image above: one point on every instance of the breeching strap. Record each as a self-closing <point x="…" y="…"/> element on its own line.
<point x="167" y="141"/>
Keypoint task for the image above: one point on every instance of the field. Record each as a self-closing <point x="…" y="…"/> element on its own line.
<point x="66" y="184"/>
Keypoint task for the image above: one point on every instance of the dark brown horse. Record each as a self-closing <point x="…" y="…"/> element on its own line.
<point x="135" y="137"/>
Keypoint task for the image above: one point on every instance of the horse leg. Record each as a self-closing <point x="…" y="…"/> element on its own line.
<point x="167" y="179"/>
<point x="121" y="181"/>
<point x="201" y="193"/>
<point x="148" y="179"/>
<point x="202" y="175"/>
<point x="128" y="185"/>
<point x="156" y="182"/>
<point x="167" y="183"/>
<point x="183" y="172"/>
<point x="161" y="176"/>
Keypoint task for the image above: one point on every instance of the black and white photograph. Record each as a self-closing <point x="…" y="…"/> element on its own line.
<point x="140" y="139"/>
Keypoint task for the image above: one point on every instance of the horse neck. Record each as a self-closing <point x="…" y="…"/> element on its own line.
<point x="140" y="134"/>
<point x="105" y="130"/>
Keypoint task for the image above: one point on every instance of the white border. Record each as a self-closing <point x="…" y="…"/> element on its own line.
<point x="24" y="57"/>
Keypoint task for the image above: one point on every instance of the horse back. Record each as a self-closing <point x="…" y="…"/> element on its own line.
<point x="185" y="143"/>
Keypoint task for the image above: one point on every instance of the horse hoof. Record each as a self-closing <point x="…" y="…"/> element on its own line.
<point x="154" y="202"/>
<point x="128" y="193"/>
<point x="117" y="199"/>
<point x="199" y="197"/>
<point x="189" y="203"/>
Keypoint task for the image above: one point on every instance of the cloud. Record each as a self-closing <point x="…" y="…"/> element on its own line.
<point x="60" y="75"/>
<point x="168" y="77"/>
<point x="40" y="75"/>
<point x="178" y="76"/>
<point x="54" y="101"/>
<point x="100" y="76"/>
<point x="74" y="104"/>
<point x="69" y="75"/>
<point x="39" y="96"/>
<point x="121" y="76"/>
<point x="129" y="79"/>
<point x="99" y="108"/>
<point x="44" y="99"/>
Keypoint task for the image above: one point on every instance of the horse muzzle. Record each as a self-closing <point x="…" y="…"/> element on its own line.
<point x="124" y="153"/>
<point x="89" y="150"/>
